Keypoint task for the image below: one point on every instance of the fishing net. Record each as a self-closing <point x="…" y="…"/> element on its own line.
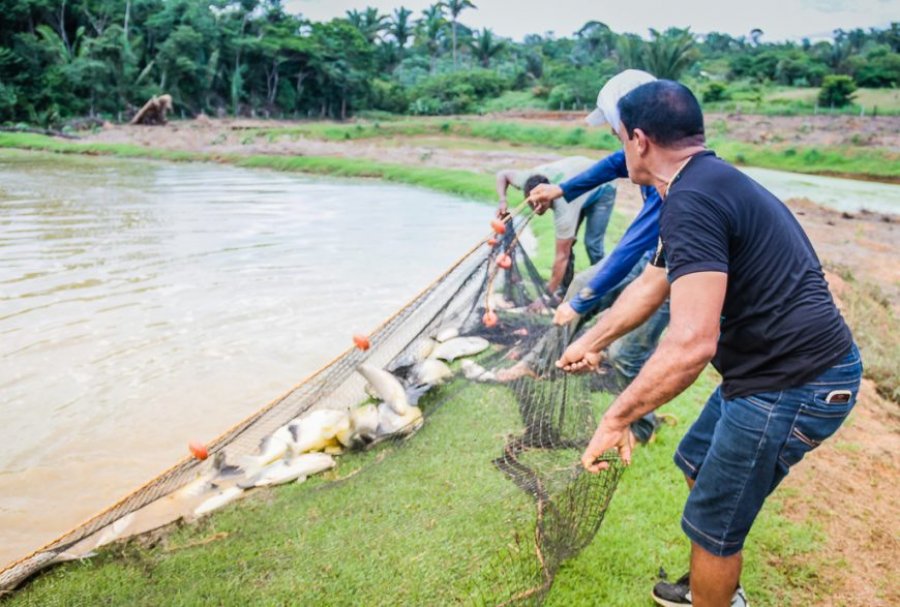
<point x="517" y="503"/>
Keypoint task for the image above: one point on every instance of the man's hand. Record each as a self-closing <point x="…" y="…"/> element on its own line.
<point x="578" y="358"/>
<point x="537" y="306"/>
<point x="502" y="209"/>
<point x="609" y="434"/>
<point x="564" y="314"/>
<point x="542" y="196"/>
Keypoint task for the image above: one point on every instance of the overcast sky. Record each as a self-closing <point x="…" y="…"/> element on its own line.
<point x="779" y="19"/>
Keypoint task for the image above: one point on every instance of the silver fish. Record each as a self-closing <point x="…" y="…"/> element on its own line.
<point x="459" y="347"/>
<point x="287" y="470"/>
<point x="388" y="387"/>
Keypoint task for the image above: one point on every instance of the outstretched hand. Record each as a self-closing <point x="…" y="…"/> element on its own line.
<point x="564" y="314"/>
<point x="542" y="196"/>
<point x="609" y="435"/>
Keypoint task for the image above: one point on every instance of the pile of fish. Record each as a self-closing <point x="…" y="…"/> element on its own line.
<point x="307" y="444"/>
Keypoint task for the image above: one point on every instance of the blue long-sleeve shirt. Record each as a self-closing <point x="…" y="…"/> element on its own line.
<point x="642" y="235"/>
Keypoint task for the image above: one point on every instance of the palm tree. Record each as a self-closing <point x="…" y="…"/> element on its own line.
<point x="484" y="47"/>
<point x="430" y="27"/>
<point x="369" y="23"/>
<point x="400" y="27"/>
<point x="456" y="7"/>
<point x="630" y="50"/>
<point x="668" y="54"/>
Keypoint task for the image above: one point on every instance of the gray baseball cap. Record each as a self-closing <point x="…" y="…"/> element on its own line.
<point x="618" y="86"/>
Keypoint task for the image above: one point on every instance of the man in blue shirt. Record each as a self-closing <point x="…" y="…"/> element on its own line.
<point x="595" y="289"/>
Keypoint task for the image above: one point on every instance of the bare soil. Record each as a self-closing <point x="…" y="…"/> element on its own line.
<point x="848" y="485"/>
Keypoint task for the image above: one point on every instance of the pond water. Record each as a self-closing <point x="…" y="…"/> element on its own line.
<point x="143" y="305"/>
<point x="841" y="194"/>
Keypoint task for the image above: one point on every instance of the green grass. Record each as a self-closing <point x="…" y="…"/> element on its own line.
<point x="878" y="164"/>
<point x="513" y="100"/>
<point x="802" y="101"/>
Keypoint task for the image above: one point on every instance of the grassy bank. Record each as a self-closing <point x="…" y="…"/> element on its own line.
<point x="849" y="161"/>
<point x="876" y="329"/>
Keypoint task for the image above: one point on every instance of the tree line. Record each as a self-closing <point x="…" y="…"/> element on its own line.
<point x="68" y="58"/>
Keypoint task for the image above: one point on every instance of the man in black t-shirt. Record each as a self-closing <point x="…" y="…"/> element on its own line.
<point x="748" y="294"/>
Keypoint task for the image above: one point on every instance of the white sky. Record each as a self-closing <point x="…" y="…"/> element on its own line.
<point x="779" y="19"/>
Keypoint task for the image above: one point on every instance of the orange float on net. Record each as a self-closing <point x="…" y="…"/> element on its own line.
<point x="504" y="261"/>
<point x="362" y="342"/>
<point x="492" y="242"/>
<point x="498" y="226"/>
<point x="198" y="450"/>
<point x="489" y="319"/>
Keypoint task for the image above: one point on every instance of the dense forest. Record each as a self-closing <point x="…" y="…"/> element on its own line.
<point x="68" y="58"/>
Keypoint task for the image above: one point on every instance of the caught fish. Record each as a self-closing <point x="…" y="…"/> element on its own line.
<point x="460" y="347"/>
<point x="390" y="423"/>
<point x="319" y="430"/>
<point x="207" y="480"/>
<point x="475" y="372"/>
<point x="432" y="372"/>
<point x="418" y="351"/>
<point x="222" y="498"/>
<point x="271" y="448"/>
<point x="388" y="387"/>
<point x="287" y="470"/>
<point x="446" y="334"/>
<point x="364" y="423"/>
<point x="498" y="302"/>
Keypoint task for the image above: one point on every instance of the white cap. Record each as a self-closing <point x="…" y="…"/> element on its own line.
<point x="608" y="99"/>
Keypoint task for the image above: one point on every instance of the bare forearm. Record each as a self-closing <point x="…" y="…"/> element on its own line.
<point x="558" y="271"/>
<point x="634" y="306"/>
<point x="502" y="186"/>
<point x="669" y="372"/>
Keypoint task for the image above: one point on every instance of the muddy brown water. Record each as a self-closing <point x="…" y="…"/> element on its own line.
<point x="145" y="305"/>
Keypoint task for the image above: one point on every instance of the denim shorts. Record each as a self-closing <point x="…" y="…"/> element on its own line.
<point x="739" y="450"/>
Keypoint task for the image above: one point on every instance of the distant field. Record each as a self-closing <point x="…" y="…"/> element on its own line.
<point x="886" y="100"/>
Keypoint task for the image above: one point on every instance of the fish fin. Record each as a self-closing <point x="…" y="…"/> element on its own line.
<point x="414" y="393"/>
<point x="294" y="429"/>
<point x="251" y="465"/>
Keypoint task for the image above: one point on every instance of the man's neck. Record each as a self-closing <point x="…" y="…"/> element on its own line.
<point x="669" y="164"/>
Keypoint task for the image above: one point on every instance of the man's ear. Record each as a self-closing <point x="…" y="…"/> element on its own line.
<point x="642" y="143"/>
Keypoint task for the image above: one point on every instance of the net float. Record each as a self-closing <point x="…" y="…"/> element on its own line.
<point x="498" y="226"/>
<point x="198" y="450"/>
<point x="489" y="319"/>
<point x="362" y="342"/>
<point x="504" y="261"/>
<point x="492" y="242"/>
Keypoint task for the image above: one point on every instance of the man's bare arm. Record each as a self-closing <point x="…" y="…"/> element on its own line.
<point x="560" y="261"/>
<point x="635" y="305"/>
<point x="504" y="180"/>
<point x="688" y="346"/>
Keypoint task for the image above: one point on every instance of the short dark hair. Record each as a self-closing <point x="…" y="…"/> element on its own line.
<point x="666" y="111"/>
<point x="532" y="182"/>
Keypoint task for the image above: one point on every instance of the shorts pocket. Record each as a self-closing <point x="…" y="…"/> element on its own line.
<point x="816" y="421"/>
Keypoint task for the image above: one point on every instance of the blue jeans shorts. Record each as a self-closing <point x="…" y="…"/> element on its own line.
<point x="740" y="449"/>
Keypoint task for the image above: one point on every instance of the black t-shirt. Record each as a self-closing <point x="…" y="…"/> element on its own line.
<point x="780" y="326"/>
